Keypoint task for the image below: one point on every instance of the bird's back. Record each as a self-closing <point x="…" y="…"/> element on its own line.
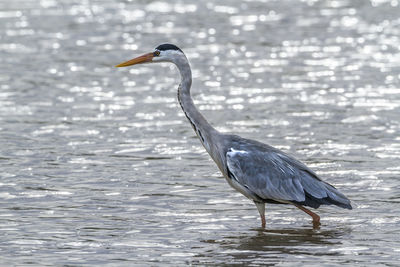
<point x="264" y="172"/>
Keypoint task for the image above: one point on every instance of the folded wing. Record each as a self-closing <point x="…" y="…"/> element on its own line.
<point x="273" y="175"/>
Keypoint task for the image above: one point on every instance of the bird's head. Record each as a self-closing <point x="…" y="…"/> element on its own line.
<point x="162" y="53"/>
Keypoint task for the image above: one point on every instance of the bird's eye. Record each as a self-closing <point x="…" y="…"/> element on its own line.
<point x="156" y="53"/>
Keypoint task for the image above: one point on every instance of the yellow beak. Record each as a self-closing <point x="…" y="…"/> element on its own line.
<point x="137" y="60"/>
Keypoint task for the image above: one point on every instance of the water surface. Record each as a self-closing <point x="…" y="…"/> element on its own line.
<point x="99" y="165"/>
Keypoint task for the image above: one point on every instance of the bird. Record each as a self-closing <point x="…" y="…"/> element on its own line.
<point x="260" y="172"/>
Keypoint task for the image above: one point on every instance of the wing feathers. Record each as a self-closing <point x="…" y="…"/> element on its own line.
<point x="273" y="175"/>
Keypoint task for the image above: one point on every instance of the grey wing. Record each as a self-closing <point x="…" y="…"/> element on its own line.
<point x="273" y="175"/>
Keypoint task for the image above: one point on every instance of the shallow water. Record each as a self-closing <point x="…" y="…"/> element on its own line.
<point x="99" y="165"/>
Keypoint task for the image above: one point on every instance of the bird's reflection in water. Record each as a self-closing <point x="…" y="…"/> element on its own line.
<point x="273" y="245"/>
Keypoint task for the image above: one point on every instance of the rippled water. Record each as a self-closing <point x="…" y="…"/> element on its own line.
<point x="98" y="165"/>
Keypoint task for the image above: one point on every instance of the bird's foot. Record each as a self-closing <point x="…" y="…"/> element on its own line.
<point x="316" y="224"/>
<point x="314" y="216"/>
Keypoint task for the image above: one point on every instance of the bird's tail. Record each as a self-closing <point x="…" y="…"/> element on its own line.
<point x="321" y="193"/>
<point x="337" y="198"/>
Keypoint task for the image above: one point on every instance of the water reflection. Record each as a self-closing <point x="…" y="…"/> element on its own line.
<point x="260" y="244"/>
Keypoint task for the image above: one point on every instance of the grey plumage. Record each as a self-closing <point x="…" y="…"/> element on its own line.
<point x="272" y="175"/>
<point x="260" y="172"/>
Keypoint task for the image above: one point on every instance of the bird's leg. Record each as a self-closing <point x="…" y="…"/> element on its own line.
<point x="314" y="216"/>
<point x="261" y="210"/>
<point x="263" y="221"/>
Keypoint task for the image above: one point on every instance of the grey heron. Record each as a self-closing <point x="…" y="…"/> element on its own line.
<point x="260" y="172"/>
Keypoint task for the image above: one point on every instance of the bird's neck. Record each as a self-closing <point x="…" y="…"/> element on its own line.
<point x="203" y="129"/>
